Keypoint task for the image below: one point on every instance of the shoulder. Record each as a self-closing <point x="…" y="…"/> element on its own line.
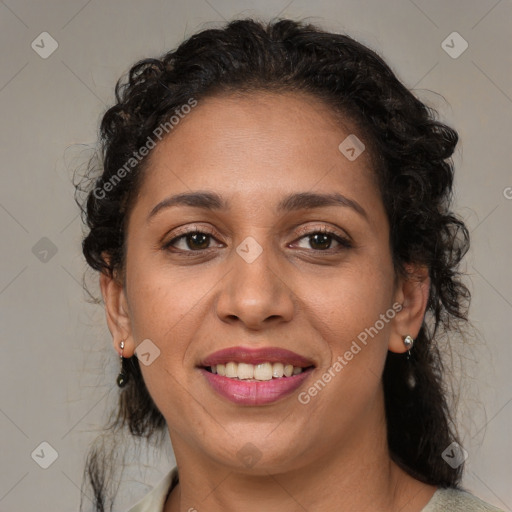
<point x="456" y="500"/>
<point x="154" y="501"/>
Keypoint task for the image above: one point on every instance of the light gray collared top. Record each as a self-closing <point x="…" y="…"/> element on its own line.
<point x="443" y="500"/>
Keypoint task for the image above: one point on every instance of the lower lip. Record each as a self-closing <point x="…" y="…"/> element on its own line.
<point x="252" y="392"/>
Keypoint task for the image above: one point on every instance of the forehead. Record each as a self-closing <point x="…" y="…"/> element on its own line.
<point x="254" y="151"/>
<point x="262" y="144"/>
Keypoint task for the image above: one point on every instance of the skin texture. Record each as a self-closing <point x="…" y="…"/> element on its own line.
<point x="330" y="454"/>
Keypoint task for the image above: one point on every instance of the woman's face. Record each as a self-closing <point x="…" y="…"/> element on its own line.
<point x="259" y="277"/>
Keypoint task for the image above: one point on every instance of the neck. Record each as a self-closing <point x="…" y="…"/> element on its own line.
<point x="356" y="475"/>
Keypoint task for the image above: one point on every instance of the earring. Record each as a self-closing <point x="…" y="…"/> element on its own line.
<point x="122" y="378"/>
<point x="408" y="342"/>
<point x="411" y="379"/>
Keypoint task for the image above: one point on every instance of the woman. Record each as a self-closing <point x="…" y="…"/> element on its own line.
<point x="273" y="234"/>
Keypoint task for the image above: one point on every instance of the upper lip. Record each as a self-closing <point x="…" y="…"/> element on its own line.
<point x="256" y="356"/>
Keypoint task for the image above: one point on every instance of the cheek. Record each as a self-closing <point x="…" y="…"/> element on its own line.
<point x="168" y="306"/>
<point x="164" y="301"/>
<point x="349" y="303"/>
<point x="165" y="309"/>
<point x="347" y="314"/>
<point x="348" y="318"/>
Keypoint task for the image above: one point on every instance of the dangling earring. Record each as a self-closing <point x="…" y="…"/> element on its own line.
<point x="122" y="378"/>
<point x="411" y="380"/>
<point x="408" y="342"/>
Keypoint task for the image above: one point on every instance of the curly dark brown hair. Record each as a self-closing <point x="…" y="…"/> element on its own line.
<point x="411" y="154"/>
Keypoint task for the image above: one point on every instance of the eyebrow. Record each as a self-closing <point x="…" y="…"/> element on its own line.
<point x="293" y="202"/>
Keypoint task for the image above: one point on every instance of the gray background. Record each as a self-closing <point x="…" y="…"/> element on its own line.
<point x="58" y="367"/>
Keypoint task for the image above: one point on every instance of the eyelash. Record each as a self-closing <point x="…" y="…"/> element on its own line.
<point x="345" y="243"/>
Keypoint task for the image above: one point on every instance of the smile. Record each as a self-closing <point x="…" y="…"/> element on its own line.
<point x="256" y="372"/>
<point x="255" y="376"/>
<point x="254" y="392"/>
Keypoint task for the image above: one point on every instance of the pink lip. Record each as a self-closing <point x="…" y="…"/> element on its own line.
<point x="256" y="356"/>
<point x="254" y="393"/>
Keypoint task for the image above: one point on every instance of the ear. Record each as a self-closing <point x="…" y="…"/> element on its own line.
<point x="412" y="293"/>
<point x="117" y="313"/>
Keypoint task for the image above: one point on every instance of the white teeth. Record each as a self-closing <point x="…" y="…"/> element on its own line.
<point x="262" y="372"/>
<point x="245" y="371"/>
<point x="277" y="370"/>
<point x="231" y="370"/>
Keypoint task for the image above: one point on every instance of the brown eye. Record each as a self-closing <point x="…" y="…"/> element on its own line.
<point x="189" y="242"/>
<point x="320" y="241"/>
<point x="197" y="240"/>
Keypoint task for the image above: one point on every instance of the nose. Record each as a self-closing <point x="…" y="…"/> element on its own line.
<point x="255" y="293"/>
